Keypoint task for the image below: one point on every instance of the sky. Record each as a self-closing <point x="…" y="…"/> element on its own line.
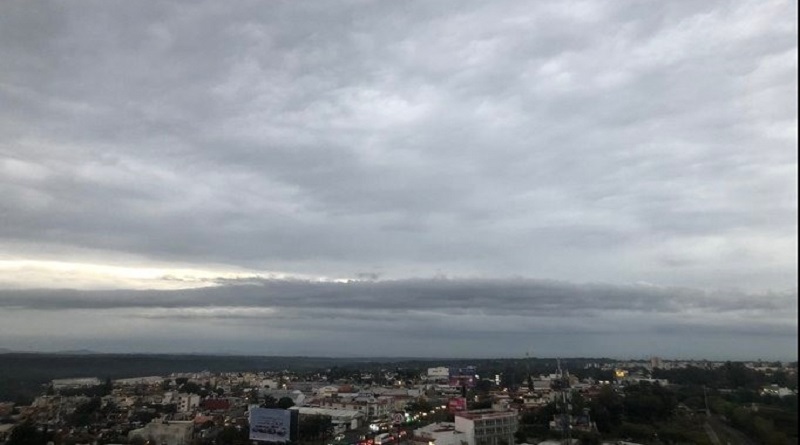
<point x="379" y="178"/>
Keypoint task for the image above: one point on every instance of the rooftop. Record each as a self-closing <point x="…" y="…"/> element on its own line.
<point x="485" y="414"/>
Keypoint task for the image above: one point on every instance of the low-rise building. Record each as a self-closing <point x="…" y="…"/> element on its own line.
<point x="150" y="380"/>
<point x="342" y="419"/>
<point x="442" y="433"/>
<point x="75" y="383"/>
<point x="775" y="390"/>
<point x="487" y="427"/>
<point x="165" y="433"/>
<point x="183" y="402"/>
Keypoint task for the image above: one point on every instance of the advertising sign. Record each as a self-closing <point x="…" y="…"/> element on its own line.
<point x="463" y="380"/>
<point x="457" y="404"/>
<point x="270" y="425"/>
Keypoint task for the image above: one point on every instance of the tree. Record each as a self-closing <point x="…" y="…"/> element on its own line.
<point x="646" y="403"/>
<point x="578" y="403"/>
<point x="588" y="438"/>
<point x="85" y="412"/>
<point x="191" y="388"/>
<point x="482" y="404"/>
<point x="231" y="435"/>
<point x="269" y="401"/>
<point x="142" y="416"/>
<point x="285" y="403"/>
<point x="315" y="427"/>
<point x="27" y="434"/>
<point x="419" y="405"/>
<point x="607" y="409"/>
<point x="483" y="386"/>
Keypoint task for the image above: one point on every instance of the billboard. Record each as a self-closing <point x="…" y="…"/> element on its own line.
<point x="467" y="376"/>
<point x="270" y="425"/>
<point x="468" y="370"/>
<point x="456" y="404"/>
<point x="463" y="380"/>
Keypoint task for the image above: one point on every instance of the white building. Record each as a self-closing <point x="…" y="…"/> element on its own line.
<point x="775" y="390"/>
<point x="76" y="383"/>
<point x="487" y="427"/>
<point x="184" y="402"/>
<point x="442" y="372"/>
<point x="327" y="391"/>
<point x="151" y="380"/>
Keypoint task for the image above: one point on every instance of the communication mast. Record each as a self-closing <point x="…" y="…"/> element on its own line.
<point x="528" y="378"/>
<point x="564" y="399"/>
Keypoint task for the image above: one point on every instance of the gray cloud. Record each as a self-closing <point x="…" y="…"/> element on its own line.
<point x="501" y="316"/>
<point x="509" y="296"/>
<point x="574" y="141"/>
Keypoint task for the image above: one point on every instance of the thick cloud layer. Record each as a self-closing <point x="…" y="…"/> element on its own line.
<point x="163" y="146"/>
<point x="503" y="317"/>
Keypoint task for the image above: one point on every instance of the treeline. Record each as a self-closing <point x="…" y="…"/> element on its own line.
<point x="768" y="425"/>
<point x="731" y="375"/>
<point x="641" y="412"/>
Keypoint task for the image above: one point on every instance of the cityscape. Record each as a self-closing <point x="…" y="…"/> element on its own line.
<point x="496" y="402"/>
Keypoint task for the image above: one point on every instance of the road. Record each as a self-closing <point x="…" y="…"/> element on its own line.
<point x="712" y="435"/>
<point x="729" y="434"/>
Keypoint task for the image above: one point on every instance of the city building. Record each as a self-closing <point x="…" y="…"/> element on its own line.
<point x="487" y="427"/>
<point x="656" y="363"/>
<point x="342" y="419"/>
<point x="442" y="433"/>
<point x="75" y="383"/>
<point x="439" y="373"/>
<point x="165" y="433"/>
<point x="183" y="402"/>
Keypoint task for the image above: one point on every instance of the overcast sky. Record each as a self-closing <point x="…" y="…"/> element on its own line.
<point x="453" y="178"/>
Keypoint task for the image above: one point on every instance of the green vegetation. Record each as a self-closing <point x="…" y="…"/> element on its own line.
<point x="768" y="424"/>
<point x="315" y="428"/>
<point x="28" y="434"/>
<point x="730" y="376"/>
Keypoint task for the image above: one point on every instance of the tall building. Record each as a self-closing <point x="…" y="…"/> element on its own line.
<point x="655" y="362"/>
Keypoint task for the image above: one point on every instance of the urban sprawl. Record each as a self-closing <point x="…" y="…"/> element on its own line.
<point x="526" y="402"/>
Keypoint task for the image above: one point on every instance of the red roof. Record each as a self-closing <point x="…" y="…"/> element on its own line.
<point x="215" y="404"/>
